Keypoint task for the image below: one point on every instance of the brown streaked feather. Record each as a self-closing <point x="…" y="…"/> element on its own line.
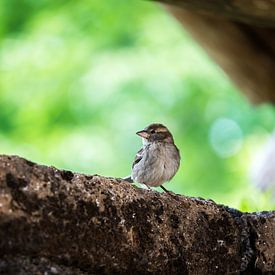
<point x="138" y="157"/>
<point x="162" y="129"/>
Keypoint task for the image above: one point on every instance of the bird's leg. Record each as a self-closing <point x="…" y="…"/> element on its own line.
<point x="170" y="193"/>
<point x="128" y="179"/>
<point x="149" y="188"/>
<point x="163" y="188"/>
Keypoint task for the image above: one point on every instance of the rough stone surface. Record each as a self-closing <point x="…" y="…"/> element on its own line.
<point x="239" y="35"/>
<point x="254" y="12"/>
<point x="27" y="265"/>
<point x="59" y="222"/>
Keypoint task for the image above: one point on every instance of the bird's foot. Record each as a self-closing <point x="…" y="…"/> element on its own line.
<point x="128" y="179"/>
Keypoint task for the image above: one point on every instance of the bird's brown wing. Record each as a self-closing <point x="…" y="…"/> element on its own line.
<point x="138" y="157"/>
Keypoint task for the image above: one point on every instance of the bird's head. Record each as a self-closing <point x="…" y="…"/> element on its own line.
<point x="156" y="133"/>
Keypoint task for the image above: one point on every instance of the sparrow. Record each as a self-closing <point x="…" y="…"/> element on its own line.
<point x="159" y="158"/>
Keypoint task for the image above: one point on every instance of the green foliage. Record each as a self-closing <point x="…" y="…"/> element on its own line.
<point x="78" y="79"/>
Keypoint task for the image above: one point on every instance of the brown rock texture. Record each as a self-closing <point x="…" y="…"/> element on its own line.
<point x="58" y="222"/>
<point x="239" y="35"/>
<point x="254" y="12"/>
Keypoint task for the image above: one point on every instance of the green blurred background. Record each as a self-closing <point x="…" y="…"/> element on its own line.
<point x="79" y="78"/>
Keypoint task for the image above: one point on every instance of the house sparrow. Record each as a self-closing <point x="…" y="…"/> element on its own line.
<point x="159" y="158"/>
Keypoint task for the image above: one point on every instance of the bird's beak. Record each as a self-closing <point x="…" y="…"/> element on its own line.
<point x="143" y="134"/>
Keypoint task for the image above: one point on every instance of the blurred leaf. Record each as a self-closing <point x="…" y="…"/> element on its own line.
<point x="78" y="79"/>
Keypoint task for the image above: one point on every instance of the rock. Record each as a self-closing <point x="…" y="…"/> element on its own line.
<point x="58" y="221"/>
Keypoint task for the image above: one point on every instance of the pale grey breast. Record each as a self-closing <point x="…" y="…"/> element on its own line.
<point x="158" y="163"/>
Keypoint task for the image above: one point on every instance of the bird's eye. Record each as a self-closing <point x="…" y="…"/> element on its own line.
<point x="152" y="131"/>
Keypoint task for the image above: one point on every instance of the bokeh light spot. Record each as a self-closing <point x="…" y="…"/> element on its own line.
<point x="226" y="137"/>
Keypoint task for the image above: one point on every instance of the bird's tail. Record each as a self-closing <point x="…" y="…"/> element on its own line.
<point x="128" y="179"/>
